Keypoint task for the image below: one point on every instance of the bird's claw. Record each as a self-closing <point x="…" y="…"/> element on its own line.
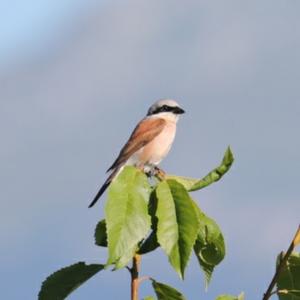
<point x="156" y="172"/>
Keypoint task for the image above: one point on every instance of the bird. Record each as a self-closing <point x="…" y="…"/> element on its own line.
<point x="149" y="142"/>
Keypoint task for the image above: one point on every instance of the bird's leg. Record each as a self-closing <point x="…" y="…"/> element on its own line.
<point x="149" y="172"/>
<point x="159" y="173"/>
<point x="154" y="171"/>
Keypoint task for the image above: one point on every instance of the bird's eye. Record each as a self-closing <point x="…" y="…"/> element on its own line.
<point x="165" y="108"/>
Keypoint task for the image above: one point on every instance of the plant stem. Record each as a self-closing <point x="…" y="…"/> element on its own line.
<point x="281" y="265"/>
<point x="134" y="271"/>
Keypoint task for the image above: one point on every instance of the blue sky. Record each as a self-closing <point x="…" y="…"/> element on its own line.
<point x="76" y="77"/>
<point x="29" y="27"/>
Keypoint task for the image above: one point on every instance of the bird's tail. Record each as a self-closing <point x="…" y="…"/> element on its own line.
<point x="104" y="186"/>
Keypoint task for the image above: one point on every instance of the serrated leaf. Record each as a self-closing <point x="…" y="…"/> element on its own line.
<point x="289" y="278"/>
<point x="166" y="292"/>
<point x="63" y="282"/>
<point x="150" y="244"/>
<point x="209" y="246"/>
<point x="100" y="234"/>
<point x="127" y="218"/>
<point x="229" y="297"/>
<point x="207" y="271"/>
<point x="210" y="241"/>
<point x="192" y="184"/>
<point x="177" y="223"/>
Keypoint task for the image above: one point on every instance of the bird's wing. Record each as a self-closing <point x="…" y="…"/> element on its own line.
<point x="144" y="133"/>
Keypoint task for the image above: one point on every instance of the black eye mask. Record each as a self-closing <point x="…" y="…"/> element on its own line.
<point x="165" y="108"/>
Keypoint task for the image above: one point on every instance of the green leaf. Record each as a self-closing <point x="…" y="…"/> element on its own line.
<point x="229" y="297"/>
<point x="295" y="293"/>
<point x="210" y="241"/>
<point x="166" y="292"/>
<point x="207" y="270"/>
<point x="127" y="218"/>
<point x="289" y="278"/>
<point x="209" y="246"/>
<point x="149" y="298"/>
<point x="150" y="244"/>
<point x="177" y="225"/>
<point x="192" y="184"/>
<point x="100" y="234"/>
<point x="63" y="282"/>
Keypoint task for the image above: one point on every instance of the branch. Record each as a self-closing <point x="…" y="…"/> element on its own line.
<point x="282" y="264"/>
<point x="134" y="271"/>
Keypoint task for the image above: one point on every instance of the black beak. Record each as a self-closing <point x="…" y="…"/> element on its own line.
<point x="178" y="111"/>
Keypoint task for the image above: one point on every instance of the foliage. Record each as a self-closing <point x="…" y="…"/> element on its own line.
<point x="63" y="282"/>
<point x="139" y="218"/>
<point x="229" y="297"/>
<point x="209" y="246"/>
<point x="192" y="184"/>
<point x="127" y="219"/>
<point x="178" y="223"/>
<point x="166" y="292"/>
<point x="100" y="234"/>
<point x="288" y="284"/>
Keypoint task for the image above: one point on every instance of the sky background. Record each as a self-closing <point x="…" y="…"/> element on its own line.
<point x="75" y="78"/>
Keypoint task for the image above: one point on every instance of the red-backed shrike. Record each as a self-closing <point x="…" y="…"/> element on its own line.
<point x="149" y="143"/>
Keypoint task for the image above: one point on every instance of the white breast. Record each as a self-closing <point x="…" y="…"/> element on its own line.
<point x="158" y="148"/>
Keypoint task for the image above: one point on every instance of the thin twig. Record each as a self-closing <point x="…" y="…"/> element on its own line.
<point x="141" y="279"/>
<point x="282" y="264"/>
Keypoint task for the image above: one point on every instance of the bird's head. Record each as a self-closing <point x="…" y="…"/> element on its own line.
<point x="166" y="108"/>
